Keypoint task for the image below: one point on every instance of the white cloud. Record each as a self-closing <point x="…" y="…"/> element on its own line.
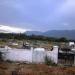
<point x="9" y="29"/>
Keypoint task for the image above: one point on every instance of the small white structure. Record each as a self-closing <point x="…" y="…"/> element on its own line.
<point x="71" y="43"/>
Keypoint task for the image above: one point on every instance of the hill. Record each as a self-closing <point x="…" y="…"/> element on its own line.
<point x="69" y="34"/>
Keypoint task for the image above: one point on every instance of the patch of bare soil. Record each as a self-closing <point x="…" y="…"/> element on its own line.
<point x="33" y="69"/>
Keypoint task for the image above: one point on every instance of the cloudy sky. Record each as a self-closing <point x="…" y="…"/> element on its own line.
<point x="39" y="15"/>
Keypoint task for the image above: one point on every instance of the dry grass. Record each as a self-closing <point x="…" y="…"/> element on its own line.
<point x="33" y="69"/>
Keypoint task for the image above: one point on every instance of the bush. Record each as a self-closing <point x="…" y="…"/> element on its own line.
<point x="0" y="56"/>
<point x="49" y="62"/>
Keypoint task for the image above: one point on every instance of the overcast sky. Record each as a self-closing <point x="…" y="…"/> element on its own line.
<point x="40" y="15"/>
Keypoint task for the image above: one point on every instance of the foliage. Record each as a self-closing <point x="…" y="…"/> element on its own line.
<point x="5" y="36"/>
<point x="49" y="62"/>
<point x="0" y="56"/>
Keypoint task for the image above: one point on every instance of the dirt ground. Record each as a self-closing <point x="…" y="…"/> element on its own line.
<point x="33" y="69"/>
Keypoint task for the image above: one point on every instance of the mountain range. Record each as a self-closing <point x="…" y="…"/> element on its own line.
<point x="69" y="34"/>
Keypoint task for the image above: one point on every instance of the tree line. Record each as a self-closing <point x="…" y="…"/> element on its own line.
<point x="32" y="37"/>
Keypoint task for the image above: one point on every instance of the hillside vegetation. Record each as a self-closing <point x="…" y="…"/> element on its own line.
<point x="5" y="36"/>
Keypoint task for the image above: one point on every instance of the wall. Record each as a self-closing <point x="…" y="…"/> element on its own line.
<point x="38" y="56"/>
<point x="53" y="55"/>
<point x="35" y="56"/>
<point x="22" y="55"/>
<point x="18" y="55"/>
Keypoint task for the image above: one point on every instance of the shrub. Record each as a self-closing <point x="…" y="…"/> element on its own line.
<point x="49" y="62"/>
<point x="0" y="56"/>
